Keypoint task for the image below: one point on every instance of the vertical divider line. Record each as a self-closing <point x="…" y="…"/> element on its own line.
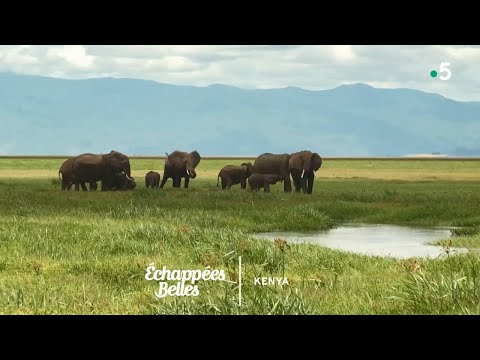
<point x="240" y="281"/>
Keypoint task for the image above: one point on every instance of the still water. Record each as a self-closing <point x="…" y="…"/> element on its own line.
<point x="376" y="240"/>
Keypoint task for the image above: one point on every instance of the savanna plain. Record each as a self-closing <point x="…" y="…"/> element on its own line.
<point x="87" y="252"/>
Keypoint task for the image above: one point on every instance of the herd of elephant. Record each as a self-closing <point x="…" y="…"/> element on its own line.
<point x="114" y="171"/>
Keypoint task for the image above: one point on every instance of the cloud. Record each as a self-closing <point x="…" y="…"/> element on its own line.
<point x="343" y="52"/>
<point x="312" y="67"/>
<point x="74" y="55"/>
<point x="18" y="56"/>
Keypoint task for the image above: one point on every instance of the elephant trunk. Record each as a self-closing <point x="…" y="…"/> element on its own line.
<point x="307" y="167"/>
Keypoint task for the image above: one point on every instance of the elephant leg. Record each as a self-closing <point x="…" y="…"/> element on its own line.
<point x="176" y="181"/>
<point x="287" y="184"/>
<point x="243" y="184"/>
<point x="224" y="183"/>
<point x="187" y="181"/>
<point x="106" y="184"/>
<point x="69" y="186"/>
<point x="311" y="179"/>
<point x="266" y="187"/>
<point x="84" y="187"/>
<point x="108" y="181"/>
<point x="164" y="180"/>
<point x="77" y="186"/>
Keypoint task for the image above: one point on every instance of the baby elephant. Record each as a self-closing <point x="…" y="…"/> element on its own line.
<point x="232" y="175"/>
<point x="256" y="181"/>
<point x="152" y="179"/>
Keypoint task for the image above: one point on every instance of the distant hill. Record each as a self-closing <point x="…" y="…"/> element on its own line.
<point x="41" y="115"/>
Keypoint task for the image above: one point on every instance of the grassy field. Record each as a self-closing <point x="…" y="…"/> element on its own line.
<point x="87" y="252"/>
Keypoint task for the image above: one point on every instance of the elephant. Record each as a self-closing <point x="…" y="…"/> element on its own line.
<point x="269" y="163"/>
<point x="92" y="168"/>
<point x="256" y="181"/>
<point x="66" y="172"/>
<point x="122" y="182"/>
<point x="302" y="166"/>
<point x="232" y="175"/>
<point x="152" y="179"/>
<point x="180" y="165"/>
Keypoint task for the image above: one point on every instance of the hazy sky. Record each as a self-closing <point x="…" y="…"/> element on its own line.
<point x="259" y="66"/>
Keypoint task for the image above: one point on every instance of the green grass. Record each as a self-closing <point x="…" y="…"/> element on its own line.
<point x="468" y="237"/>
<point x="83" y="252"/>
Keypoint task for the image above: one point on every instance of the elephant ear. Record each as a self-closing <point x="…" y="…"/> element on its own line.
<point x="316" y="161"/>
<point x="195" y="157"/>
<point x="249" y="167"/>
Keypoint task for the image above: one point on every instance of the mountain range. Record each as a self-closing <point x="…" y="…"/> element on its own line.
<point x="51" y="116"/>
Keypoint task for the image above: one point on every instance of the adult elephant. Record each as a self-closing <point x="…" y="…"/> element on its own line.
<point x="92" y="168"/>
<point x="66" y="175"/>
<point x="302" y="166"/>
<point x="180" y="165"/>
<point x="269" y="163"/>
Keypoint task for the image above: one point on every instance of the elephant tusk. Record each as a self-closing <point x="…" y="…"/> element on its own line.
<point x="303" y="172"/>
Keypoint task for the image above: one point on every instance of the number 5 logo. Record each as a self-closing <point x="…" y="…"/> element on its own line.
<point x="445" y="68"/>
